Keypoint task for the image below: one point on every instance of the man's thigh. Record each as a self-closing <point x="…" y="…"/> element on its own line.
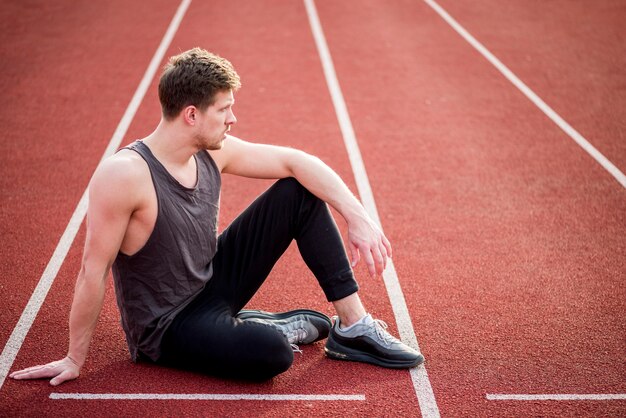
<point x="252" y="244"/>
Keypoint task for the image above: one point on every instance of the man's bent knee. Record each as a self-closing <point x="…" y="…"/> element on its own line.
<point x="267" y="353"/>
<point x="288" y="186"/>
<point x="279" y="362"/>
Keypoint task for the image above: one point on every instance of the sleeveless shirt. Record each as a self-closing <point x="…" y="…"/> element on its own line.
<point x="175" y="264"/>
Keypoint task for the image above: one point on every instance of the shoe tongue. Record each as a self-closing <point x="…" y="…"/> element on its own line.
<point x="367" y="320"/>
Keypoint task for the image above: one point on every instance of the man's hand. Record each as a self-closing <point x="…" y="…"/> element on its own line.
<point x="60" y="371"/>
<point x="367" y="240"/>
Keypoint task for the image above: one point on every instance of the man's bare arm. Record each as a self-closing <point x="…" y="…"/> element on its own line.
<point x="107" y="218"/>
<point x="267" y="161"/>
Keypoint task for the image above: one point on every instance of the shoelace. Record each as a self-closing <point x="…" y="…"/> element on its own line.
<point x="381" y="331"/>
<point x="296" y="335"/>
<point x="294" y="332"/>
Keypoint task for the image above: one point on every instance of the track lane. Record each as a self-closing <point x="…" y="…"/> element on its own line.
<point x="61" y="64"/>
<point x="285" y="102"/>
<point x="573" y="57"/>
<point x="508" y="237"/>
<point x="438" y="258"/>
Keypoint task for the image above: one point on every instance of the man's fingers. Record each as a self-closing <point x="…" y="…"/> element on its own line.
<point x="27" y="370"/>
<point x="65" y="376"/>
<point x="374" y="247"/>
<point x="375" y="257"/>
<point x="36" y="372"/>
<point x="369" y="261"/>
<point x="59" y="371"/>
<point x="383" y="253"/>
<point x="379" y="260"/>
<point x="387" y="245"/>
<point x="354" y="254"/>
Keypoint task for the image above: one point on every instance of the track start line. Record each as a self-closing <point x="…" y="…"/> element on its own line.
<point x="206" y="397"/>
<point x="557" y="397"/>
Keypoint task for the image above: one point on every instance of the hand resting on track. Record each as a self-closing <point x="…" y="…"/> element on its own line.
<point x="60" y="371"/>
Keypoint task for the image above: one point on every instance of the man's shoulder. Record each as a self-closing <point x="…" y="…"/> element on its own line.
<point x="232" y="149"/>
<point x="125" y="169"/>
<point x="124" y="163"/>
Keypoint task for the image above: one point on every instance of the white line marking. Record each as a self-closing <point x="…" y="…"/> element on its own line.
<point x="419" y="376"/>
<point x="27" y="318"/>
<point x="561" y="123"/>
<point x="557" y="397"/>
<point x="206" y="396"/>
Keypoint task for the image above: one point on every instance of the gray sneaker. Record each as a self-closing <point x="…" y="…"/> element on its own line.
<point x="301" y="326"/>
<point x="370" y="342"/>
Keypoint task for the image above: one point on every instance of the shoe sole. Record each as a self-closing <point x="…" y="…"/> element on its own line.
<point x="254" y="313"/>
<point x="337" y="352"/>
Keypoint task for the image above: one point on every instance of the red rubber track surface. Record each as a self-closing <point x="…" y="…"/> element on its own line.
<point x="68" y="72"/>
<point x="509" y="240"/>
<point x="580" y="53"/>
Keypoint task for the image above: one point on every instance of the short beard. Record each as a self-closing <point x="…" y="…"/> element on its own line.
<point x="202" y="144"/>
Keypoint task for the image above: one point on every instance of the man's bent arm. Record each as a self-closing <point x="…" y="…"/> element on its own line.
<point x="266" y="161"/>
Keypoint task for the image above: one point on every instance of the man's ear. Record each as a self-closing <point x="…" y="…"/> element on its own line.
<point x="190" y="113"/>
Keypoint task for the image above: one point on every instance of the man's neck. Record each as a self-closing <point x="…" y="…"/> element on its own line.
<point x="170" y="144"/>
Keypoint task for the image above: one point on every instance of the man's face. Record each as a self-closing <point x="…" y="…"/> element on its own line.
<point x="216" y="120"/>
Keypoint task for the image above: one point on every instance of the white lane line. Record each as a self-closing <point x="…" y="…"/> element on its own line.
<point x="557" y="397"/>
<point x="561" y="123"/>
<point x="419" y="376"/>
<point x="27" y="318"/>
<point x="206" y="396"/>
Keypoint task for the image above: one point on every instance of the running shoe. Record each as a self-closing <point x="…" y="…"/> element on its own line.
<point x="300" y="326"/>
<point x="368" y="341"/>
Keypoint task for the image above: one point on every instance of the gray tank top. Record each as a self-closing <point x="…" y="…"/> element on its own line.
<point x="157" y="282"/>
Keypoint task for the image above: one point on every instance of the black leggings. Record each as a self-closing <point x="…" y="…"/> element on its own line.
<point x="205" y="336"/>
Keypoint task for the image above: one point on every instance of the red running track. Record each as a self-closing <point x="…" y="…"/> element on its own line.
<point x="509" y="239"/>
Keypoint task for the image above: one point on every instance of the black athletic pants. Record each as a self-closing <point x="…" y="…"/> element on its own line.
<point x="205" y="336"/>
